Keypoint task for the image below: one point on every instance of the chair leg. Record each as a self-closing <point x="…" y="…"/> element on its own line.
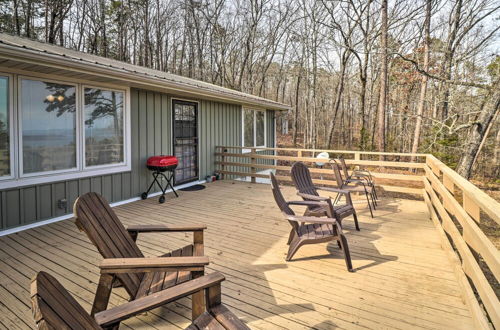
<point x="369" y="204"/>
<point x="355" y="216"/>
<point x="290" y="237"/>
<point x="339" y="244"/>
<point x="374" y="191"/>
<point x="294" y="247"/>
<point x="374" y="205"/>
<point x="197" y="299"/>
<point x="374" y="200"/>
<point x="337" y="199"/>
<point x="347" y="255"/>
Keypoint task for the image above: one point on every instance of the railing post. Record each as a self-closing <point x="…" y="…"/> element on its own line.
<point x="470" y="207"/>
<point x="253" y="161"/>
<point x="357" y="156"/>
<point x="223" y="166"/>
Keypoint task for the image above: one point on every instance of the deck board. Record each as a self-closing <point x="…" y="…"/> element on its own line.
<point x="403" y="279"/>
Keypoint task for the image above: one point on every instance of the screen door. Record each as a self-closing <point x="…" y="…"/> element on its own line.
<point x="185" y="140"/>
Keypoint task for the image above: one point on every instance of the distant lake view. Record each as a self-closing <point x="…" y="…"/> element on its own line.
<point x="58" y="138"/>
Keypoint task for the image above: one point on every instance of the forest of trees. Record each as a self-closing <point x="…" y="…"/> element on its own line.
<point x="399" y="75"/>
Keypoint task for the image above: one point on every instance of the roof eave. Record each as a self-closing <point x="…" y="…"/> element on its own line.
<point x="60" y="62"/>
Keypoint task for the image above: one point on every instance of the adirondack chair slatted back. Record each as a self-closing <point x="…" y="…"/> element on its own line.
<point x="280" y="200"/>
<point x="338" y="175"/>
<point x="55" y="308"/>
<point x="95" y="216"/>
<point x="302" y="180"/>
<point x="344" y="167"/>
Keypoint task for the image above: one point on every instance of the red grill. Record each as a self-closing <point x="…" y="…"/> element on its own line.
<point x="159" y="165"/>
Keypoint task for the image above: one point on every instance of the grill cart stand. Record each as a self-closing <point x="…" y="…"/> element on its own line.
<point x="159" y="165"/>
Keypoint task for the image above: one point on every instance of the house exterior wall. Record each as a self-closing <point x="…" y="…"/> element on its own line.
<point x="151" y="134"/>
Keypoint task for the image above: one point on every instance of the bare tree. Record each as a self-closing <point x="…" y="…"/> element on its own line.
<point x="383" y="80"/>
<point x="423" y="84"/>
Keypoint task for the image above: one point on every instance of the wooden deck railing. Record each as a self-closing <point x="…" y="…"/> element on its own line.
<point x="456" y="207"/>
<point x="232" y="161"/>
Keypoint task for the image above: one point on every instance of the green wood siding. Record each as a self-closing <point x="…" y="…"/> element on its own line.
<point x="219" y="124"/>
<point x="151" y="134"/>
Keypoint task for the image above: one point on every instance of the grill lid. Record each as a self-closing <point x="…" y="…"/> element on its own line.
<point x="162" y="161"/>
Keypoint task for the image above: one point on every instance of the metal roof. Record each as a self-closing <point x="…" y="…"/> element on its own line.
<point x="23" y="49"/>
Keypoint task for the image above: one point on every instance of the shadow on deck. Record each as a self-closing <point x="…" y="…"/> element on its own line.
<point x="403" y="278"/>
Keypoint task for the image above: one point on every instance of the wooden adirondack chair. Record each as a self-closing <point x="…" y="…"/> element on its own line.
<point x="124" y="264"/>
<point x="360" y="188"/>
<point x="310" y="229"/>
<point x="363" y="177"/>
<point x="54" y="308"/>
<point x="306" y="189"/>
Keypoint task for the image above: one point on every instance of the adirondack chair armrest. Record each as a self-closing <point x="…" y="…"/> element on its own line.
<point x="336" y="190"/>
<point x="197" y="230"/>
<point x="114" y="315"/>
<point x="308" y="203"/>
<point x="300" y="218"/>
<point x="361" y="172"/>
<point x="159" y="264"/>
<point x="352" y="180"/>
<point x="313" y="197"/>
<point x="346" y="193"/>
<point x="165" y="228"/>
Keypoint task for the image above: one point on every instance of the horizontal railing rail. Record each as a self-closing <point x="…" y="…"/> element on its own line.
<point x="456" y="207"/>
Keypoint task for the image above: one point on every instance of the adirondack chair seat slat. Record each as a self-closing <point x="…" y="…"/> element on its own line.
<point x="157" y="281"/>
<point x="341" y="210"/>
<point x="316" y="230"/>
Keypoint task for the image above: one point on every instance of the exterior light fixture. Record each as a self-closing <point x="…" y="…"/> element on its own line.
<point x="60" y="98"/>
<point x="50" y="98"/>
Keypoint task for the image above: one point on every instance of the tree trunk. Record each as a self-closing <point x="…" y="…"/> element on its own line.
<point x="104" y="38"/>
<point x="296" y="110"/>
<point x="496" y="156"/>
<point x="478" y="132"/>
<point x="17" y="24"/>
<point x="383" y="81"/>
<point x="338" y="97"/>
<point x="423" y="84"/>
<point x="448" y="57"/>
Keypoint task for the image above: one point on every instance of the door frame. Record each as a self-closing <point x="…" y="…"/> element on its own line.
<point x="172" y="123"/>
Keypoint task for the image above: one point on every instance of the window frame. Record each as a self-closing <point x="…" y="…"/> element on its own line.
<point x="254" y="125"/>
<point x="19" y="179"/>
<point x="125" y="125"/>
<point x="12" y="137"/>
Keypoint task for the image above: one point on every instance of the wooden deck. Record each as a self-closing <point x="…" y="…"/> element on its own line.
<point x="403" y="278"/>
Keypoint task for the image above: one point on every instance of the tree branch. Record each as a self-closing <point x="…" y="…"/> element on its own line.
<point x="449" y="81"/>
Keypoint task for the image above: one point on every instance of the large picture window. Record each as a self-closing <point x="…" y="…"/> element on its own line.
<point x="48" y="125"/>
<point x="103" y="127"/>
<point x="61" y="130"/>
<point x="5" y="158"/>
<point x="254" y="128"/>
